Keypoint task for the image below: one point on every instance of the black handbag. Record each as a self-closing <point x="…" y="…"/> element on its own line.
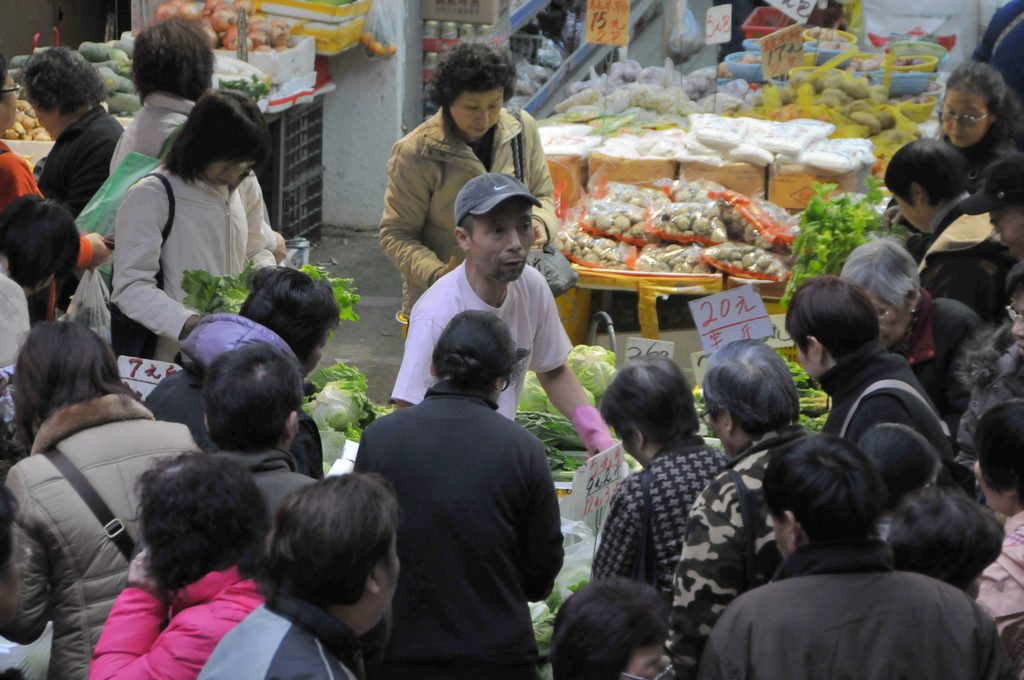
<point x="645" y="562"/>
<point x="128" y="337"/>
<point x="555" y="268"/>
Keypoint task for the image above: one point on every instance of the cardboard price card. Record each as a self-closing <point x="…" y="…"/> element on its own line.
<point x="143" y="375"/>
<point x="718" y="24"/>
<point x="604" y="473"/>
<point x="797" y="10"/>
<point x="737" y="314"/>
<point x="608" y="22"/>
<point x="782" y="50"/>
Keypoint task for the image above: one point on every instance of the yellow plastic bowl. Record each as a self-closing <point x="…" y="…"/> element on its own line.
<point x="829" y="35"/>
<point x="918" y="113"/>
<point x="928" y="65"/>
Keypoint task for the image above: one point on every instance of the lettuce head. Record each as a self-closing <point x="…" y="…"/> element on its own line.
<point x="594" y="366"/>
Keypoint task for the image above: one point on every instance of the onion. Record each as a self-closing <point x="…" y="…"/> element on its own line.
<point x="166" y="11"/>
<point x="212" y="36"/>
<point x="279" y="34"/>
<point x="190" y="11"/>
<point x="222" y="20"/>
<point x="231" y="39"/>
<point x="258" y="38"/>
<point x="212" y="6"/>
<point x="246" y="5"/>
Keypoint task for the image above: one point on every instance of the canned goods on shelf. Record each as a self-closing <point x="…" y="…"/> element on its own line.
<point x="431" y="29"/>
<point x="449" y="30"/>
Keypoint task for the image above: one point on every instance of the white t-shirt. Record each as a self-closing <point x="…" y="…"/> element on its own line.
<point x="528" y="310"/>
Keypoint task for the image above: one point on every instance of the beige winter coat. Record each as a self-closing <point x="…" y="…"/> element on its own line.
<point x="427" y="169"/>
<point x="71" y="572"/>
<point x="212" y="232"/>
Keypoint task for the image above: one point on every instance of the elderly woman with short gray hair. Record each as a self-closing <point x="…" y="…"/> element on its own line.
<point x="928" y="331"/>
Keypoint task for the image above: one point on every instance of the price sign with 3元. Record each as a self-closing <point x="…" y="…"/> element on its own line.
<point x="608" y="22"/>
<point x="718" y="24"/>
<point x="782" y="50"/>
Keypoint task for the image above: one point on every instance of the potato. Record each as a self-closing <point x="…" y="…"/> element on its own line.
<point x="864" y="118"/>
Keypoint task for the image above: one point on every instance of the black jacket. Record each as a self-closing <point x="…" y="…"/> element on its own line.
<point x="934" y="349"/>
<point x="839" y="611"/>
<point x="80" y="160"/>
<point x="962" y="260"/>
<point x="845" y="381"/>
<point x="179" y="399"/>
<point x="273" y="471"/>
<point x="480" y="536"/>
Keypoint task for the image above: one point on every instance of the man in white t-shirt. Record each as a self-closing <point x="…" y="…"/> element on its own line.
<point x="495" y="229"/>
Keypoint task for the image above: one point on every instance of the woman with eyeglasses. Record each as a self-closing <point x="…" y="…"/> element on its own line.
<point x="188" y="214"/>
<point x="993" y="366"/>
<point x="980" y="116"/>
<point x="15" y="174"/>
<point x="927" y="330"/>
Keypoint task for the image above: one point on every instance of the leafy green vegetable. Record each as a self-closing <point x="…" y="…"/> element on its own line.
<point x="533" y="398"/>
<point x="557" y="434"/>
<point x="208" y="294"/>
<point x="352" y="376"/>
<point x="253" y="86"/>
<point x="594" y="366"/>
<point x="341" y="403"/>
<point x="344" y="292"/>
<point x="829" y="231"/>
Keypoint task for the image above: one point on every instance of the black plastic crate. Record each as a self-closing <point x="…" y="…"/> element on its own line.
<point x="302" y="140"/>
<point x="302" y="206"/>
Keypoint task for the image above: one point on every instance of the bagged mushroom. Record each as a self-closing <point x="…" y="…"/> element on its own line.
<point x="746" y="261"/>
<point x="618" y="192"/>
<point x="688" y="223"/>
<point x="755" y="222"/>
<point x="588" y="250"/>
<point x="621" y="221"/>
<point x="683" y="191"/>
<point x="672" y="259"/>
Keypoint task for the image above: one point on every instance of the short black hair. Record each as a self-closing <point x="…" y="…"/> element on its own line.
<point x="986" y="82"/>
<point x="290" y="303"/>
<point x="937" y="166"/>
<point x="836" y="312"/>
<point x="831" y="488"/>
<point x="172" y="56"/>
<point x="200" y="513"/>
<point x="471" y="67"/>
<point x="905" y="460"/>
<point x="475" y="351"/>
<point x="61" y="80"/>
<point x="39" y="238"/>
<point x="600" y="625"/>
<point x="327" y="538"/>
<point x="248" y="395"/>
<point x="652" y="397"/>
<point x="224" y="125"/>
<point x="999" y="441"/>
<point x="943" y="533"/>
<point x="750" y="381"/>
<point x="1014" y="281"/>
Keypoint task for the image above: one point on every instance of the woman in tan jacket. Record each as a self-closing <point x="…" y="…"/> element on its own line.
<point x="471" y="135"/>
<point x="68" y="396"/>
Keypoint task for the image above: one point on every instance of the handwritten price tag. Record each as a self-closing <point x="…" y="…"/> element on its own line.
<point x="737" y="314"/>
<point x="782" y="50"/>
<point x="797" y="10"/>
<point x="718" y="24"/>
<point x="143" y="375"/>
<point x="602" y="476"/>
<point x="641" y="348"/>
<point x="608" y="22"/>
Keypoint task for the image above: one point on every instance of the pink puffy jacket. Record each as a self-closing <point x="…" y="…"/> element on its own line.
<point x="135" y="643"/>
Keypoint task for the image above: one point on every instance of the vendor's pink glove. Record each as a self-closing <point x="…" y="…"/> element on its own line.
<point x="591" y="429"/>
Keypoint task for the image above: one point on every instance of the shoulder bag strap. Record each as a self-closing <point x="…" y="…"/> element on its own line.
<point x="1006" y="32"/>
<point x="166" y="231"/>
<point x="644" y="567"/>
<point x="113" y="527"/>
<point x="517" y="149"/>
<point x="749" y="530"/>
<point x="899" y="386"/>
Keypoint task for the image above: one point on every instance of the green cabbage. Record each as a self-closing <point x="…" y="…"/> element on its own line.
<point x="335" y="407"/>
<point x="533" y="398"/>
<point x="594" y="366"/>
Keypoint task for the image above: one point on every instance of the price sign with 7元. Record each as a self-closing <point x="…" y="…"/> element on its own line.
<point x="718" y="24"/>
<point x="143" y="375"/>
<point x="782" y="50"/>
<point x="608" y="22"/>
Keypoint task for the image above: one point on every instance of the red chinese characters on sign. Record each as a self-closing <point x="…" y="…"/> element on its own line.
<point x="608" y="22"/>
<point x="143" y="375"/>
<point x="737" y="314"/>
<point x="604" y="473"/>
